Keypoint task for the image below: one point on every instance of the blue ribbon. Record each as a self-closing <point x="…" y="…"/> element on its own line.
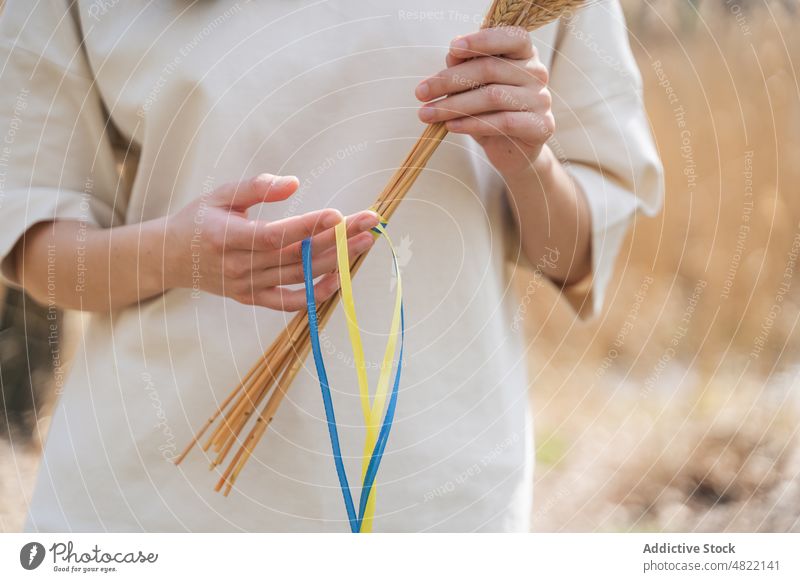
<point x="333" y="431"/>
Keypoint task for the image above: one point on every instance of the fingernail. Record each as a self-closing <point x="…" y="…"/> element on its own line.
<point x="368" y="221"/>
<point x="284" y="181"/>
<point x="459" y="44"/>
<point x="426" y="113"/>
<point x="423" y="91"/>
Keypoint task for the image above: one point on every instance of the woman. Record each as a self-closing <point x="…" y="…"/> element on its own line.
<point x="165" y="160"/>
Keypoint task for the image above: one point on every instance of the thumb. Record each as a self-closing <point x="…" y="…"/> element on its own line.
<point x="262" y="188"/>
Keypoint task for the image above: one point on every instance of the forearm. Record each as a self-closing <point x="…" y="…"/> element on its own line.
<point x="553" y="219"/>
<point x="72" y="266"/>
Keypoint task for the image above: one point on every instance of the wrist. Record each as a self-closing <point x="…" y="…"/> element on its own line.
<point x="533" y="175"/>
<point x="545" y="162"/>
<point x="159" y="266"/>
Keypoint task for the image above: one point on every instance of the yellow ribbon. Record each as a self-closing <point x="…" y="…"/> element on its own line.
<point x="372" y="412"/>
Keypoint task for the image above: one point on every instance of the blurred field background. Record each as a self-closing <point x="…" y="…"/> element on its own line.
<point x="677" y="409"/>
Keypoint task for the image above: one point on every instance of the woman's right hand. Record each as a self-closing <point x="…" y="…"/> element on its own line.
<point x="211" y="245"/>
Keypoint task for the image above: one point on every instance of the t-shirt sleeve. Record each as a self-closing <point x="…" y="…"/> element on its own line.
<point x="603" y="137"/>
<point x="56" y="157"/>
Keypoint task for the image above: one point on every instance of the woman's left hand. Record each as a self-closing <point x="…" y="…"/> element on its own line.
<point x="495" y="89"/>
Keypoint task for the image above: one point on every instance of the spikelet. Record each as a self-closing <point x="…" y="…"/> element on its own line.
<point x="529" y="14"/>
<point x="272" y="374"/>
<point x="506" y="12"/>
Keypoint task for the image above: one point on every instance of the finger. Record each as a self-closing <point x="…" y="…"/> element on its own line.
<point x="325" y="287"/>
<point x="510" y="41"/>
<point x="452" y="61"/>
<point x="322" y="263"/>
<point x="530" y="128"/>
<point x="242" y="262"/>
<point x="483" y="100"/>
<point x="283" y="299"/>
<point x="356" y="223"/>
<point x="262" y="188"/>
<point x="478" y="72"/>
<point x="284" y="232"/>
<point x="259" y="235"/>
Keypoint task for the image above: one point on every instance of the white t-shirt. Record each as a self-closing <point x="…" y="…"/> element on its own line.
<point x="203" y="93"/>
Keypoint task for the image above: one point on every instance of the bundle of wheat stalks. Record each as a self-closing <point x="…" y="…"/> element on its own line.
<point x="273" y="373"/>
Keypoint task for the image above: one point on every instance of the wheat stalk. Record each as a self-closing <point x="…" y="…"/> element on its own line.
<point x="273" y="373"/>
